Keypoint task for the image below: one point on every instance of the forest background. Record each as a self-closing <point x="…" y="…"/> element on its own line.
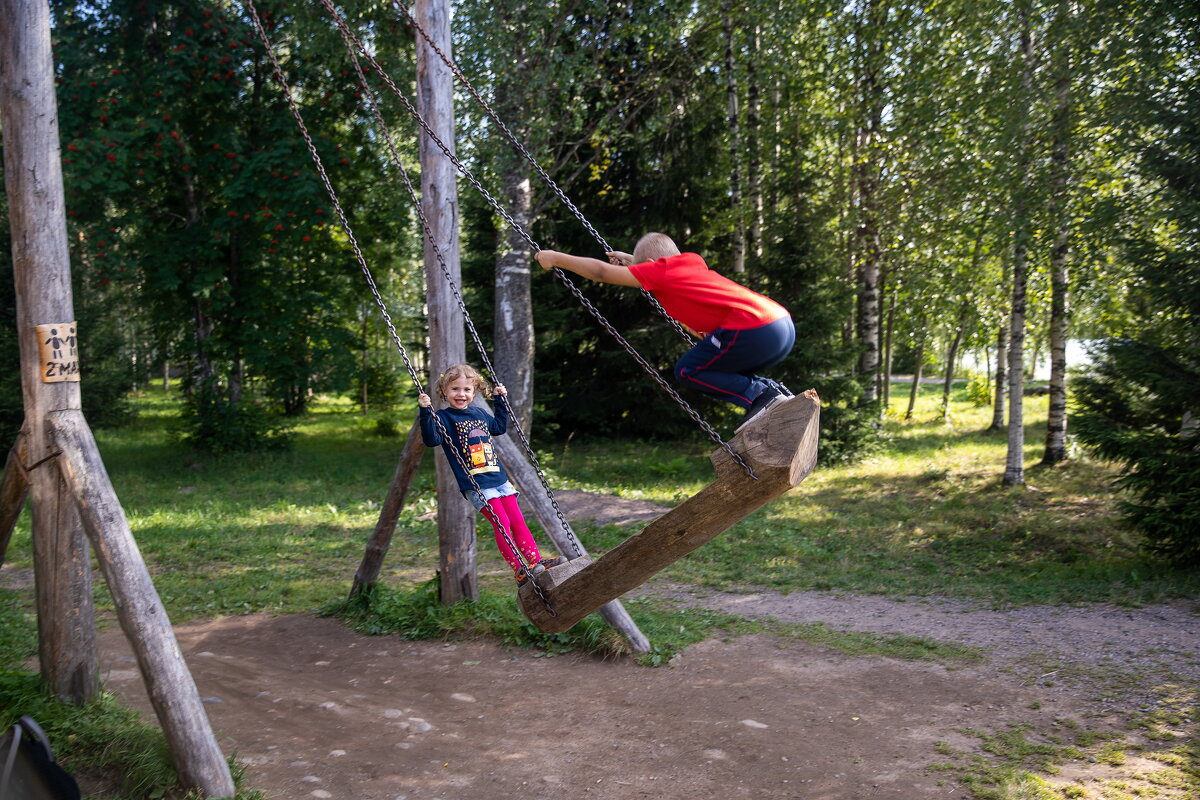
<point x="916" y="182"/>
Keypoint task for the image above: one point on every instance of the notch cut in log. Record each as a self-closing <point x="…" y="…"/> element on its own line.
<point x="780" y="445"/>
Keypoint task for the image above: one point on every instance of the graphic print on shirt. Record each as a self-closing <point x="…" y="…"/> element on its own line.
<point x="477" y="448"/>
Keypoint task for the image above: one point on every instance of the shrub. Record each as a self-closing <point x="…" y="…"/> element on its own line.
<point x="212" y="423"/>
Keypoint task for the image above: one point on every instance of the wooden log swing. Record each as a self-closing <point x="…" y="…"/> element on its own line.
<point x="780" y="445"/>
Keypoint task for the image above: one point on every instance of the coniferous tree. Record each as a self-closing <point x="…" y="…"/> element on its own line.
<point x="1140" y="405"/>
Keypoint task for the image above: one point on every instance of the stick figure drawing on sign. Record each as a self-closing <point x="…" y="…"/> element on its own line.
<point x="56" y="343"/>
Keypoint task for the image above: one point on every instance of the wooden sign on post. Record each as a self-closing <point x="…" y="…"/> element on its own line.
<point x="58" y="351"/>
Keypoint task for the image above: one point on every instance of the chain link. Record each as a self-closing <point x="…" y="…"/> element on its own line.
<point x="443" y="433"/>
<point x="533" y="162"/>
<point x="369" y="96"/>
<point x="499" y="209"/>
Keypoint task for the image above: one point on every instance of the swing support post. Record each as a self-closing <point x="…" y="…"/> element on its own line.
<point x="56" y="458"/>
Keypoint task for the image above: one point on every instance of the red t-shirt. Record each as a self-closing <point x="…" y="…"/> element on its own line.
<point x="704" y="300"/>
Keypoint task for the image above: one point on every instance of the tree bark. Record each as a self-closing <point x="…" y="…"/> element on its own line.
<point x="513" y="327"/>
<point x="42" y="279"/>
<point x="735" y="146"/>
<point x="998" y="404"/>
<point x="447" y="346"/>
<point x="1014" y="467"/>
<point x="918" y="373"/>
<point x="1060" y="167"/>
<point x="866" y="247"/>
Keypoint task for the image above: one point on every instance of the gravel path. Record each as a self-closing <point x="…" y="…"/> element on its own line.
<point x="1099" y="647"/>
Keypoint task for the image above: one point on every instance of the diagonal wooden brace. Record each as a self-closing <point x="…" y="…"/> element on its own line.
<point x="780" y="445"/>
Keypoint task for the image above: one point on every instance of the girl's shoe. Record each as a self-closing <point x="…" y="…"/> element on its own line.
<point x="541" y="566"/>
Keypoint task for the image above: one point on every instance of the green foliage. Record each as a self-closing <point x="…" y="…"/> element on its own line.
<point x="199" y="228"/>
<point x="850" y="430"/>
<point x="382" y="383"/>
<point x="978" y="390"/>
<point x="1139" y="406"/>
<point x="1130" y="410"/>
<point x="216" y="425"/>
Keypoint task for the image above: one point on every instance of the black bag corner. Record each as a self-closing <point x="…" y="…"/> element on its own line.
<point x="27" y="768"/>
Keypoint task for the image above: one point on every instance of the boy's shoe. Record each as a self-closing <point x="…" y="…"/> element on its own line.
<point x="767" y="398"/>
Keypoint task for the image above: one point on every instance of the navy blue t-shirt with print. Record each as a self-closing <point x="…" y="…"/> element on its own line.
<point x="471" y="431"/>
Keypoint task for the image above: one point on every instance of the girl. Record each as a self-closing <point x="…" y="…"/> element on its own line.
<point x="468" y="447"/>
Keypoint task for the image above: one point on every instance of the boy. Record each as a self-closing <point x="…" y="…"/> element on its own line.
<point x="740" y="331"/>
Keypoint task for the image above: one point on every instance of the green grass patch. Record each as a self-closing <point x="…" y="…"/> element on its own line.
<point x="1019" y="762"/>
<point x="284" y="532"/>
<point x="926" y="517"/>
<point x="418" y="614"/>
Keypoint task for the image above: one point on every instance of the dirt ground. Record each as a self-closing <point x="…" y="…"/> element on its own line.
<point x="315" y="710"/>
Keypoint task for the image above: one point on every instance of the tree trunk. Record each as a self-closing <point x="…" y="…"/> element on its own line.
<point x="916" y="383"/>
<point x="952" y="357"/>
<point x="1014" y="467"/>
<point x="735" y="147"/>
<point x="1060" y="167"/>
<point x="447" y="346"/>
<point x="998" y="403"/>
<point x="513" y="329"/>
<point x="754" y="133"/>
<point x="887" y="349"/>
<point x="866" y="246"/>
<point x="42" y="280"/>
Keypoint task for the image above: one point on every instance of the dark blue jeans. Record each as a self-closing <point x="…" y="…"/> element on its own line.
<point x="724" y="363"/>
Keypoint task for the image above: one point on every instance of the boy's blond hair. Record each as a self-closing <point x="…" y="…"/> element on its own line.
<point x="654" y="246"/>
<point x="457" y="371"/>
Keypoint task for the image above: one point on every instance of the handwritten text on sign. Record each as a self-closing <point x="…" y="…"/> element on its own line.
<point x="58" y="347"/>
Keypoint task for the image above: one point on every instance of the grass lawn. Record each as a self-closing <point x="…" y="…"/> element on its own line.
<point x="285" y="531"/>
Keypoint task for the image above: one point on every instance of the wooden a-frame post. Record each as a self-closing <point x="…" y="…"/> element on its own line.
<point x="447" y="339"/>
<point x="56" y="456"/>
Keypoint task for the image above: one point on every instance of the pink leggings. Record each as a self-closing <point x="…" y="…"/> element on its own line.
<point x="505" y="511"/>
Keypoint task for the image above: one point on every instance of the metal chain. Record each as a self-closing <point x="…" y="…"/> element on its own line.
<point x="369" y="96"/>
<point x="499" y="209"/>
<point x="366" y="271"/>
<point x="533" y="162"/>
